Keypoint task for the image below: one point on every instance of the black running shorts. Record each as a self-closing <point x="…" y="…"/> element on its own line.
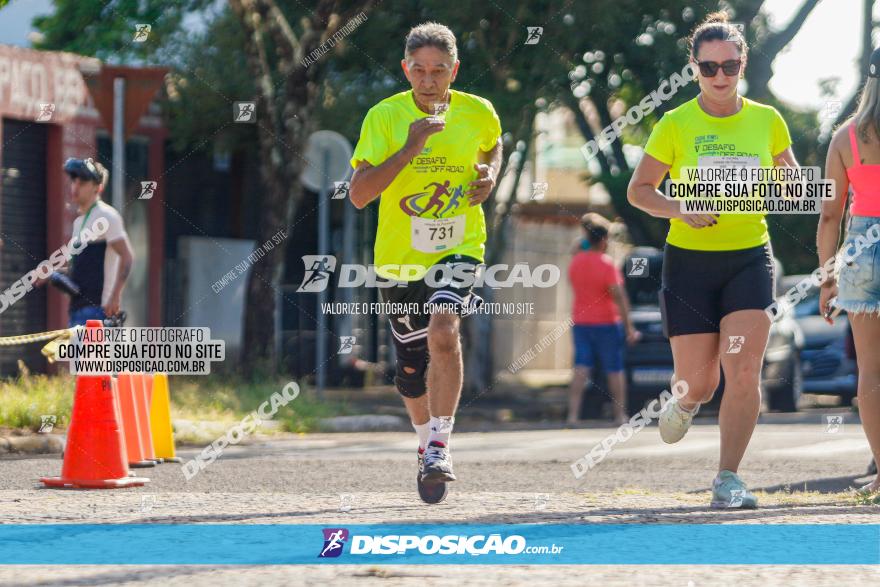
<point x="423" y="297"/>
<point x="702" y="287"/>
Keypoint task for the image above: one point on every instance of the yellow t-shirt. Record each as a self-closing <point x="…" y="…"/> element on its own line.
<point x="689" y="137"/>
<point x="424" y="215"/>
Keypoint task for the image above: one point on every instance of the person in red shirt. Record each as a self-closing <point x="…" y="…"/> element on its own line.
<point x="600" y="313"/>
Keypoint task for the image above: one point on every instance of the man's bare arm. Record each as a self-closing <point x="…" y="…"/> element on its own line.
<point x="126" y="260"/>
<point x="493" y="158"/>
<point x="487" y="174"/>
<point x="368" y="181"/>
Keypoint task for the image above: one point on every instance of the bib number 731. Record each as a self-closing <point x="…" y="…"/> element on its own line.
<point x="434" y="235"/>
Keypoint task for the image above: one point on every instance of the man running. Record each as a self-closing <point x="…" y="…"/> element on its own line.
<point x="402" y="149"/>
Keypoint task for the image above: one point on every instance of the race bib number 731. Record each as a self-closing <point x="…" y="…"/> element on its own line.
<point x="435" y="235"/>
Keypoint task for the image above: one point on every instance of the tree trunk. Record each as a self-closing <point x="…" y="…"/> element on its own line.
<point x="600" y="97"/>
<point x="584" y="126"/>
<point x="286" y="93"/>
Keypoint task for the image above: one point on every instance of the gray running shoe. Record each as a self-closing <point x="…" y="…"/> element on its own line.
<point x="728" y="491"/>
<point x="438" y="464"/>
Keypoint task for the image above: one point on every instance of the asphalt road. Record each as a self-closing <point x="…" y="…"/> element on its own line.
<point x="802" y="472"/>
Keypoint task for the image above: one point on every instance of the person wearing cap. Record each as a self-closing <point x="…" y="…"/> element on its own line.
<point x="853" y="163"/>
<point x="101" y="269"/>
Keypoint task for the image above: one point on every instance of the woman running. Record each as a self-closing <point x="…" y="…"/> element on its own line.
<point x="854" y="163"/>
<point x="718" y="274"/>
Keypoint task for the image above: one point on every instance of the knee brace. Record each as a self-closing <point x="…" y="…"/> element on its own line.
<point x="412" y="356"/>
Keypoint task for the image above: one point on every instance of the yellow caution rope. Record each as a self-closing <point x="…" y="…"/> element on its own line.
<point x="38" y="337"/>
<point x="55" y="338"/>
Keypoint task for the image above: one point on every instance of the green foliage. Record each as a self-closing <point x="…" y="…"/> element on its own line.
<point x="231" y="398"/>
<point x="495" y="62"/>
<point x="605" y="49"/>
<point x="223" y="399"/>
<point x="794" y="235"/>
<point x="211" y="73"/>
<point x="107" y="29"/>
<point x="208" y="64"/>
<point x="25" y="399"/>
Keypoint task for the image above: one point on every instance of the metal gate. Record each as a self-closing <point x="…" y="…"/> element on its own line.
<point x="23" y="232"/>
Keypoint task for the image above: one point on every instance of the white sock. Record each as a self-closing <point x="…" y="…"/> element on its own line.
<point x="441" y="428"/>
<point x="423" y="430"/>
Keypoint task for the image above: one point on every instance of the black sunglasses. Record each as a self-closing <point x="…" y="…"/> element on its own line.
<point x="729" y="67"/>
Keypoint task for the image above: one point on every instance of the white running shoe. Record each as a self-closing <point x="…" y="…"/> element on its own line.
<point x="675" y="421"/>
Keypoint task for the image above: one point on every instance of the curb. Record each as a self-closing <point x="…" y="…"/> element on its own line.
<point x="363" y="423"/>
<point x="35" y="444"/>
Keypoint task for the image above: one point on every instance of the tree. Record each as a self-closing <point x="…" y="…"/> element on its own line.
<point x="283" y="81"/>
<point x="287" y="77"/>
<point x="766" y="44"/>
<point x="106" y="30"/>
<point x="620" y="60"/>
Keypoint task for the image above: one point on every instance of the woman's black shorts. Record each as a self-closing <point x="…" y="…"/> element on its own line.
<point x="701" y="287"/>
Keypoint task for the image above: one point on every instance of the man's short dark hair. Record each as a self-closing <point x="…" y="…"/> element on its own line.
<point x="596" y="226"/>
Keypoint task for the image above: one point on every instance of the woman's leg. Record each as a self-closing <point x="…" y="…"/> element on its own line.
<point x="617" y="386"/>
<point x="613" y="353"/>
<point x="580" y="376"/>
<point x="866" y="333"/>
<point x="743" y="340"/>
<point x="696" y="366"/>
<point x="696" y="363"/>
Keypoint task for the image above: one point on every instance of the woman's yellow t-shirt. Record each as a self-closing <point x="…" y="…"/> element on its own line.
<point x="689" y="137"/>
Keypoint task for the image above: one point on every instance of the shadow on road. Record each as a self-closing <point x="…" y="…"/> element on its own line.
<point x="827" y="485"/>
<point x="674" y="515"/>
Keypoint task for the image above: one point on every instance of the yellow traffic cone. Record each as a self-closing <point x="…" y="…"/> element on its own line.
<point x="160" y="420"/>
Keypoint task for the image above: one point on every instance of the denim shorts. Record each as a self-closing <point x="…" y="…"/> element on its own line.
<point x="605" y="342"/>
<point x="859" y="279"/>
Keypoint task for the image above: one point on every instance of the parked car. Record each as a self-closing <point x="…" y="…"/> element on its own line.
<point x="649" y="364"/>
<point x="827" y="367"/>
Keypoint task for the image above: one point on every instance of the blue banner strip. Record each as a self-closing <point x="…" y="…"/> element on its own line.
<point x="586" y="544"/>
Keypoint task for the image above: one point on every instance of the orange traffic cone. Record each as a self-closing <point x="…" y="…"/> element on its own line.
<point x="143" y="391"/>
<point x="93" y="455"/>
<point x="122" y="444"/>
<point x="128" y="403"/>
